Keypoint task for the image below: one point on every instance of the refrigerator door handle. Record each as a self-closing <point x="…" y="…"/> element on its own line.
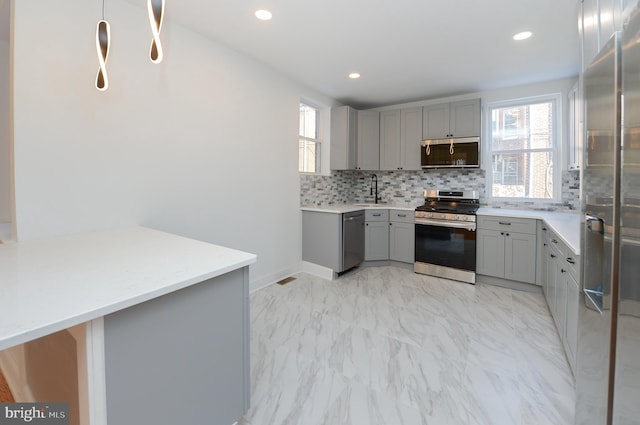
<point x="594" y="224"/>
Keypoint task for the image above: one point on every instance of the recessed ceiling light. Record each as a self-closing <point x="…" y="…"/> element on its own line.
<point x="354" y="75"/>
<point x="522" y="35"/>
<point x="263" y="15"/>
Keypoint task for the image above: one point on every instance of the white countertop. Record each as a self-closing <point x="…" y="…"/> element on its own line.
<point x="565" y="225"/>
<point x="53" y="284"/>
<point x="345" y="208"/>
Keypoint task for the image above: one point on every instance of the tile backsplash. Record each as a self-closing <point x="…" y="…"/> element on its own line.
<point x="406" y="188"/>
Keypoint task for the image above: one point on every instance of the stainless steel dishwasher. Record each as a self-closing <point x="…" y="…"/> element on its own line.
<point x="352" y="240"/>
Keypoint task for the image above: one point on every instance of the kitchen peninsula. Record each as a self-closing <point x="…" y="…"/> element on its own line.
<point x="160" y="322"/>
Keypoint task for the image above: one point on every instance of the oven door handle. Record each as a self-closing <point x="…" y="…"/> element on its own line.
<point x="454" y="224"/>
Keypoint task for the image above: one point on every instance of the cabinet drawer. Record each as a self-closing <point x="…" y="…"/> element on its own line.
<point x="518" y="225"/>
<point x="401" y="216"/>
<point x="376" y="215"/>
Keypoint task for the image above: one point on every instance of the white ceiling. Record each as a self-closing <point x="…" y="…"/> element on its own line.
<point x="405" y="49"/>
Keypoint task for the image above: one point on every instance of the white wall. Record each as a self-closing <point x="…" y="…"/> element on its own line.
<point x="5" y="162"/>
<point x="203" y="145"/>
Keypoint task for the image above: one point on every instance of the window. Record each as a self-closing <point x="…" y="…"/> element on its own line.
<point x="308" y="140"/>
<point x="523" y="148"/>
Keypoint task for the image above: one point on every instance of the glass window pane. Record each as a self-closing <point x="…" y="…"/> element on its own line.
<point x="308" y="144"/>
<point x="308" y="121"/>
<point x="308" y="156"/>
<point x="523" y="175"/>
<point x="522" y="127"/>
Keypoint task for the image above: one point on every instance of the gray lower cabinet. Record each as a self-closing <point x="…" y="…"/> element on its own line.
<point x="561" y="289"/>
<point x="322" y="239"/>
<point x="376" y="235"/>
<point x="401" y="237"/>
<point x="571" y="322"/>
<point x="196" y="340"/>
<point x="506" y="248"/>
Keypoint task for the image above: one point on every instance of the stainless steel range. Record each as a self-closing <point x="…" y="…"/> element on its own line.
<point x="445" y="235"/>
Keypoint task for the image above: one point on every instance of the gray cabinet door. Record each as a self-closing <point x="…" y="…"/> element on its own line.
<point x="464" y="119"/>
<point x="571" y="323"/>
<point x="390" y="148"/>
<point x="435" y="121"/>
<point x="410" y="138"/>
<point x="490" y="253"/>
<point x="343" y="138"/>
<point x="520" y="257"/>
<point x="368" y="150"/>
<point x="456" y="119"/>
<point x="401" y="242"/>
<point x="561" y="297"/>
<point x="376" y="241"/>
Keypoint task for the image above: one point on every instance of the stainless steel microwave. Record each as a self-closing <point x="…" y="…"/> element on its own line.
<point x="450" y="153"/>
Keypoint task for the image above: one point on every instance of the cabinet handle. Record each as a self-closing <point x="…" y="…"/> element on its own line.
<point x="502" y="233"/>
<point x="377" y="215"/>
<point x="554" y="241"/>
<point x="563" y="271"/>
<point x="544" y="229"/>
<point x="504" y="223"/>
<point x="366" y="224"/>
<point x="390" y="224"/>
<point x="402" y="215"/>
<point x="553" y="256"/>
<point x="545" y="244"/>
<point x="507" y="234"/>
<point x="571" y="260"/>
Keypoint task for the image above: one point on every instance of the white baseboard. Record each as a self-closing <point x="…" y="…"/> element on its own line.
<point x="316" y="270"/>
<point x="272" y="278"/>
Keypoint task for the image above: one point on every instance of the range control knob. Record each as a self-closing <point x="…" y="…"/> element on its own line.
<point x="441" y="216"/>
<point x="430" y="215"/>
<point x="456" y="217"/>
<point x="464" y="218"/>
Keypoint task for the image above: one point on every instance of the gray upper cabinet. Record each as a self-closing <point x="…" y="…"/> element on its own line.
<point x="410" y="138"/>
<point x="456" y="119"/>
<point x="344" y="130"/>
<point x="400" y="137"/>
<point x="390" y="145"/>
<point x="368" y="137"/>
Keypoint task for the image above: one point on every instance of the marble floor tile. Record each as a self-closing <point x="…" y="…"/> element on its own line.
<point x="359" y="404"/>
<point x="384" y="345"/>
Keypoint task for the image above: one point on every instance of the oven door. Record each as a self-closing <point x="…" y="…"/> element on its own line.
<point x="446" y="249"/>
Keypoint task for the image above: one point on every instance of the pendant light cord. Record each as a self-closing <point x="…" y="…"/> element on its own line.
<point x="103" y="10"/>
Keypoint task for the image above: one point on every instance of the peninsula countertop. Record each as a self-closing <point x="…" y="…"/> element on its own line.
<point x="565" y="225"/>
<point x="53" y="284"/>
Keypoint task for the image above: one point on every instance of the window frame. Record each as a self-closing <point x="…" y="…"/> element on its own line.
<point x="556" y="151"/>
<point x="317" y="140"/>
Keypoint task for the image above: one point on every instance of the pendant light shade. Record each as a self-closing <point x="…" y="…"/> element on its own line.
<point x="103" y="39"/>
<point x="155" y="8"/>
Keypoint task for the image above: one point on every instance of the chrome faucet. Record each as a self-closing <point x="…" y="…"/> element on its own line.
<point x="374" y="188"/>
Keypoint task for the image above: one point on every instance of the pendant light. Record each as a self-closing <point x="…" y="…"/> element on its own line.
<point x="155" y="9"/>
<point x="103" y="40"/>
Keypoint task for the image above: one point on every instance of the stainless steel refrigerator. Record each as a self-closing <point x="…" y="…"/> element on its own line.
<point x="608" y="355"/>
